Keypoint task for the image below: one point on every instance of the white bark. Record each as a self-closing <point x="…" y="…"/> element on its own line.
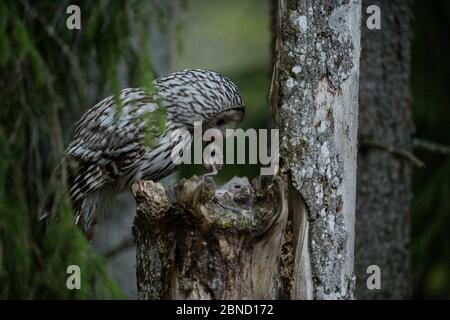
<point x="315" y="101"/>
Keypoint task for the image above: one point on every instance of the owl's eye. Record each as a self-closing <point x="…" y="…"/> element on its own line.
<point x="221" y="122"/>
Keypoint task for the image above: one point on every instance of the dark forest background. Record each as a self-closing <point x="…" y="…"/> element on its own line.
<point x="49" y="76"/>
<point x="431" y="185"/>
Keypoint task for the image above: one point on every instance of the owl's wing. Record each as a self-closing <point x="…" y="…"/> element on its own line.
<point x="111" y="135"/>
<point x="109" y="139"/>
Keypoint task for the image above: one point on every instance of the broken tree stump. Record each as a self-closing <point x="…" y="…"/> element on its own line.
<point x="196" y="241"/>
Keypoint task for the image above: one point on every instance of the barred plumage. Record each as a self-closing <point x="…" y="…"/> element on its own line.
<point x="109" y="145"/>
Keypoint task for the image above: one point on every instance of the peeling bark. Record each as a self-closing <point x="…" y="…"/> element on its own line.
<point x="201" y="242"/>
<point x="384" y="178"/>
<point x="315" y="103"/>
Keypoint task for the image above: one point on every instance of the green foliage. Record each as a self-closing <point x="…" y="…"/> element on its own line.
<point x="45" y="70"/>
<point x="155" y="125"/>
<point x="431" y="208"/>
<point x="33" y="260"/>
<point x="431" y="248"/>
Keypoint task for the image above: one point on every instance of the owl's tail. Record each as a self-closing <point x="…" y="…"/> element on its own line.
<point x="87" y="211"/>
<point x="91" y="197"/>
<point x="57" y="186"/>
<point x="89" y="189"/>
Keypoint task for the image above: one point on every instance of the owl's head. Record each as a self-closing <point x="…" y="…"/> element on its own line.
<point x="201" y="95"/>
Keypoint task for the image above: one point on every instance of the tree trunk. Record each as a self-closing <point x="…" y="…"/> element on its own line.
<point x="198" y="242"/>
<point x="240" y="240"/>
<point x="384" y="176"/>
<point x="315" y="100"/>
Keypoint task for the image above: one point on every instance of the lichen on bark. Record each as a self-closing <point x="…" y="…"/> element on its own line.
<point x="315" y="89"/>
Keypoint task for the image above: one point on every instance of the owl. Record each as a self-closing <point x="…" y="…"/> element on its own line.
<point x="128" y="138"/>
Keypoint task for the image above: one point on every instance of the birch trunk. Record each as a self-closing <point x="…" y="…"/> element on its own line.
<point x="315" y="102"/>
<point x="384" y="177"/>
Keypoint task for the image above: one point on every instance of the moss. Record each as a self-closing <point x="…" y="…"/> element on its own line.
<point x="225" y="224"/>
